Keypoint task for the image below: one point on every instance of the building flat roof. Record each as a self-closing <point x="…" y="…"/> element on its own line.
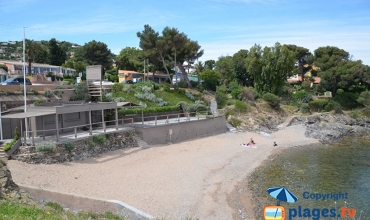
<point x="61" y="108"/>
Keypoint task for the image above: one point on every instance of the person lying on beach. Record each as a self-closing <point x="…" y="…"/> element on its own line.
<point x="251" y="142"/>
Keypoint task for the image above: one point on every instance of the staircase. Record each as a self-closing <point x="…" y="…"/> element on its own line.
<point x="95" y="90"/>
<point x="141" y="143"/>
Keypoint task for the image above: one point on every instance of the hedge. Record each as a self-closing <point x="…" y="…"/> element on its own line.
<point x="149" y="110"/>
<point x="318" y="105"/>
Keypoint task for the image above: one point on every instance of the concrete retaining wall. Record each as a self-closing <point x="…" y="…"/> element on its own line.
<point x="182" y="131"/>
<point x="84" y="203"/>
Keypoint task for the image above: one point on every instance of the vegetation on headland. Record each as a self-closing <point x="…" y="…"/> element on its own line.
<point x="10" y="210"/>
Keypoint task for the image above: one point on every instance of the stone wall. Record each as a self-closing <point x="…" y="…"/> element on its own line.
<point x="7" y="187"/>
<point x="182" y="131"/>
<point x="77" y="150"/>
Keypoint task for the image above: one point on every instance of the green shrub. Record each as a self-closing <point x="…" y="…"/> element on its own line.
<point x="198" y="105"/>
<point x="230" y="102"/>
<point x="181" y="91"/>
<point x="190" y="95"/>
<point x="300" y="97"/>
<point x="9" y="145"/>
<point x="119" y="99"/>
<point x="91" y="143"/>
<point x="235" y="93"/>
<point x="55" y="206"/>
<point x="347" y="100"/>
<point x="182" y="84"/>
<point x="211" y="79"/>
<point x="9" y="93"/>
<point x="149" y="110"/>
<point x="318" y="105"/>
<point x="331" y="106"/>
<point x="338" y="109"/>
<point x="340" y="91"/>
<point x="200" y="88"/>
<point x="221" y="97"/>
<point x="229" y="112"/>
<point x="366" y="112"/>
<point x="38" y="101"/>
<point x="117" y="87"/>
<point x="68" y="146"/>
<point x="48" y="93"/>
<point x="16" y="133"/>
<point x="156" y="86"/>
<point x="272" y="100"/>
<point x="99" y="139"/>
<point x="194" y="84"/>
<point x="81" y="93"/>
<point x="305" y="108"/>
<point x="235" y="122"/>
<point x="241" y="107"/>
<point x="248" y="94"/>
<point x="167" y="88"/>
<point x="364" y="98"/>
<point x="306" y="85"/>
<point x="45" y="146"/>
<point x="35" y="92"/>
<point x="127" y="134"/>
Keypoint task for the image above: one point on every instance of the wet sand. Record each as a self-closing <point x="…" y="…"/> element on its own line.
<point x="197" y="178"/>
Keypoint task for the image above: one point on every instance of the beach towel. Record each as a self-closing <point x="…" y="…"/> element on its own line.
<point x="248" y="146"/>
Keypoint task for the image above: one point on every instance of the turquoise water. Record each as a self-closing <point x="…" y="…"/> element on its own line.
<point x="341" y="170"/>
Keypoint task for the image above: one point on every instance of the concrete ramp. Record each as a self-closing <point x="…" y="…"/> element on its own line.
<point x="84" y="203"/>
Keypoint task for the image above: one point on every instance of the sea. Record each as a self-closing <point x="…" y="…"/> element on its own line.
<point x="323" y="177"/>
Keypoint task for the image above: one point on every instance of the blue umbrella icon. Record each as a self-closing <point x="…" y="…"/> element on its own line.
<point x="282" y="194"/>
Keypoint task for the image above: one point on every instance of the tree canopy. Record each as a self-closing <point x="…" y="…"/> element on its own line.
<point x="57" y="54"/>
<point x="270" y="67"/>
<point x="95" y="53"/>
<point x="131" y="58"/>
<point x="171" y="48"/>
<point x="336" y="69"/>
<point x="301" y="55"/>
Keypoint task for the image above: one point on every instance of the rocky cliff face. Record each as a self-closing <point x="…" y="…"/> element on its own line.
<point x="331" y="128"/>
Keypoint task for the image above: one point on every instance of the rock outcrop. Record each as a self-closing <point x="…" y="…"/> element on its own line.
<point x="8" y="189"/>
<point x="330" y="128"/>
<point x="77" y="150"/>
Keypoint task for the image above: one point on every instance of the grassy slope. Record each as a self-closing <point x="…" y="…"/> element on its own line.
<point x="173" y="97"/>
<point x="17" y="210"/>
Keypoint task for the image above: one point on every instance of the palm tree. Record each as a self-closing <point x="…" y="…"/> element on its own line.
<point x="199" y="67"/>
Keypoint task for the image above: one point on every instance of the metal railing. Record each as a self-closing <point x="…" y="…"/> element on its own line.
<point x="75" y="131"/>
<point x="147" y="121"/>
<point x="156" y="120"/>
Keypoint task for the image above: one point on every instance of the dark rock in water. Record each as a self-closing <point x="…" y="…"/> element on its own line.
<point x="331" y="128"/>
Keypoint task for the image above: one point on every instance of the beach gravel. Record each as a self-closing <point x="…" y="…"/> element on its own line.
<point x="189" y="179"/>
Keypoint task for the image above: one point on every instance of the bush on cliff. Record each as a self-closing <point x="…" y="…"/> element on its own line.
<point x="318" y="105"/>
<point x="272" y="100"/>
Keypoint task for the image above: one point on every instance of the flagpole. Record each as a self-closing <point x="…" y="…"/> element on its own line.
<point x="24" y="80"/>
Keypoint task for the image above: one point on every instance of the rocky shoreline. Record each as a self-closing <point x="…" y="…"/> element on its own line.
<point x="331" y="128"/>
<point x="325" y="127"/>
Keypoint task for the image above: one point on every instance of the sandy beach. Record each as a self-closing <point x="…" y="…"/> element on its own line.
<point x="189" y="179"/>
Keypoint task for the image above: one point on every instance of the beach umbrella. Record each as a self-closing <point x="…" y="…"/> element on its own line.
<point x="282" y="194"/>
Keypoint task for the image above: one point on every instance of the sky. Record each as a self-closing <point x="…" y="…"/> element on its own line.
<point x="221" y="27"/>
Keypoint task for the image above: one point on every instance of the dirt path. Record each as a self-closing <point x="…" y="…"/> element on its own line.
<point x="189" y="179"/>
